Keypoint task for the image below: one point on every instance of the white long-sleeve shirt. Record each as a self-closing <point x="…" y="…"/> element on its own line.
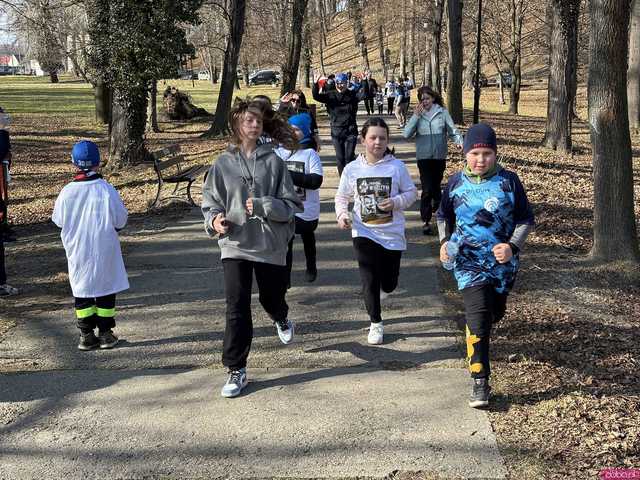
<point x="367" y="185"/>
<point x="89" y="212"/>
<point x="305" y="161"/>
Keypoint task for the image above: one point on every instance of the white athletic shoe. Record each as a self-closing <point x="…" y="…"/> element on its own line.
<point x="376" y="332"/>
<point x="235" y="383"/>
<point x="285" y="331"/>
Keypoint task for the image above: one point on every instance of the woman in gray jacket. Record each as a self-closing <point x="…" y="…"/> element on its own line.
<point x="432" y="125"/>
<point x="249" y="201"/>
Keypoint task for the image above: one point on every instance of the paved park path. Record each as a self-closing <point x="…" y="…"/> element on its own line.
<point x="329" y="405"/>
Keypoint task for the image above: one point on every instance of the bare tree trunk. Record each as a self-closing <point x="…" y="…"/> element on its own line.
<point x="614" y="224"/>
<point x="152" y="110"/>
<point x="290" y="68"/>
<point x="403" y="41"/>
<point x="428" y="65"/>
<point x="355" y="11"/>
<point x="517" y="19"/>
<point x="436" y="35"/>
<point x="380" y="28"/>
<point x="307" y="54"/>
<point x="412" y="42"/>
<point x="102" y="98"/>
<point x="562" y="73"/>
<point x="633" y="85"/>
<point x="220" y="124"/>
<point x="126" y="144"/>
<point x="245" y="72"/>
<point x="454" y="74"/>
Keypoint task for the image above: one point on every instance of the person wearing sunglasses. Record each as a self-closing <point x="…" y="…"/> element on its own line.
<point x="342" y="106"/>
<point x="295" y="103"/>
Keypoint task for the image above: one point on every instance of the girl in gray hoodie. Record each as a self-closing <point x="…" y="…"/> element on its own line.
<point x="249" y="203"/>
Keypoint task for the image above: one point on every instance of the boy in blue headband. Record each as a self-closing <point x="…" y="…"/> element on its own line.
<point x="305" y="168"/>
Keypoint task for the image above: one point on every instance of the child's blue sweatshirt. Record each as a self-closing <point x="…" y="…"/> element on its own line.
<point x="480" y="213"/>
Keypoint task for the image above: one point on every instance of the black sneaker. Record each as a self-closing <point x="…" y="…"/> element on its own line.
<point x="88" y="341"/>
<point x="427" y="230"/>
<point x="310" y="275"/>
<point x="480" y="393"/>
<point x="107" y="340"/>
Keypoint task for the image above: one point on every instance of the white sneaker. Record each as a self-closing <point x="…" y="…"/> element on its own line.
<point x="235" y="383"/>
<point x="376" y="332"/>
<point x="285" y="331"/>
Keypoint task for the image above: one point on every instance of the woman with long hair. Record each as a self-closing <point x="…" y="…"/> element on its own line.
<point x="294" y="103"/>
<point x="431" y="124"/>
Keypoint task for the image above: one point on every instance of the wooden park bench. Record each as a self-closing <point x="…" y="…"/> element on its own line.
<point x="168" y="165"/>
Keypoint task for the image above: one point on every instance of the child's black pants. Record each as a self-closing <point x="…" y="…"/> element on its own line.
<point x="344" y="141"/>
<point x="390" y="102"/>
<point x="431" y="173"/>
<point x="305" y="229"/>
<point x="483" y="307"/>
<point x="368" y="103"/>
<point x="238" y="279"/>
<point x="96" y="312"/>
<point x="379" y="269"/>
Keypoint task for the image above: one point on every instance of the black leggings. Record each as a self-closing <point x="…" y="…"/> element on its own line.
<point x="431" y="173"/>
<point x="345" y="145"/>
<point x="390" y="102"/>
<point x="368" y="103"/>
<point x="97" y="311"/>
<point x="379" y="269"/>
<point x="483" y="307"/>
<point x="306" y="230"/>
<point x="238" y="278"/>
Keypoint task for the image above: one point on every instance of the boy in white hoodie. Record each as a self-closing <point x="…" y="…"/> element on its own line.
<point x="381" y="188"/>
<point x="90" y="212"/>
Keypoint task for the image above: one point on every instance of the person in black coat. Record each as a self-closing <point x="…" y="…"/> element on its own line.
<point x="342" y="106"/>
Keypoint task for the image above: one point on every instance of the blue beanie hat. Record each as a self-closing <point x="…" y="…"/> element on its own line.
<point x="303" y="122"/>
<point x="480" y="135"/>
<point x="342" y="78"/>
<point x="85" y="155"/>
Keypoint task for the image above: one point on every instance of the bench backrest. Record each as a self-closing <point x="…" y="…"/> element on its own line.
<point x="167" y="157"/>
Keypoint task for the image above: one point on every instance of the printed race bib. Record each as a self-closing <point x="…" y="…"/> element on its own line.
<point x="372" y="191"/>
<point x="298" y="167"/>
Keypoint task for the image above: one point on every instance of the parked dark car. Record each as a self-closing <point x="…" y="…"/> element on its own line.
<point x="264" y="77"/>
<point x="483" y="80"/>
<point x="507" y="79"/>
<point x="188" y="75"/>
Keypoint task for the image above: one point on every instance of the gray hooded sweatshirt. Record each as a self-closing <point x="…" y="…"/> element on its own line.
<point x="264" y="236"/>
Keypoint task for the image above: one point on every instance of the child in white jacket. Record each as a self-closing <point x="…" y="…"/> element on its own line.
<point x="381" y="187"/>
<point x="90" y="212"/>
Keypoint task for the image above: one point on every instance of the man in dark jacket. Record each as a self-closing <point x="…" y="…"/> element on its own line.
<point x="342" y="106"/>
<point x="371" y="95"/>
